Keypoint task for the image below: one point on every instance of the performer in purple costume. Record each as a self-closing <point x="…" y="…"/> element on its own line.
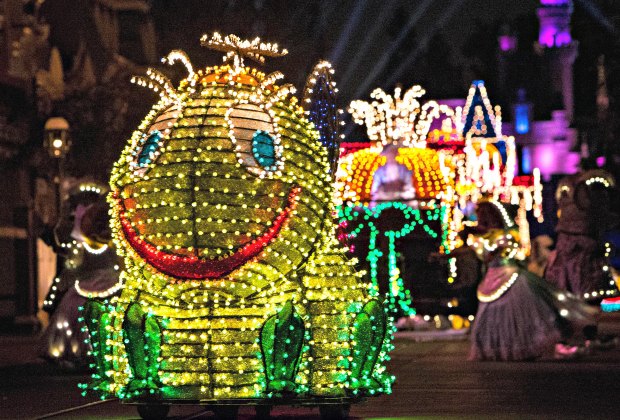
<point x="580" y="265"/>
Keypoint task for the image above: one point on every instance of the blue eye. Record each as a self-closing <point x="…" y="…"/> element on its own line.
<point x="145" y="157"/>
<point x="263" y="149"/>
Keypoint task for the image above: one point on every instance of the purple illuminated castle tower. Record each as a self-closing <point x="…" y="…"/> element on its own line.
<point x="558" y="48"/>
<point x="546" y="144"/>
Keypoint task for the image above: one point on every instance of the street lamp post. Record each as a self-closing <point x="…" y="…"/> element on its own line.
<point x="57" y="143"/>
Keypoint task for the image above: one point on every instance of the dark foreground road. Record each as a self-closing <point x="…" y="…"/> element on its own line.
<point x="434" y="382"/>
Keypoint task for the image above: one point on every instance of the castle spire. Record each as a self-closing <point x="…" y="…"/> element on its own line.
<point x="558" y="48"/>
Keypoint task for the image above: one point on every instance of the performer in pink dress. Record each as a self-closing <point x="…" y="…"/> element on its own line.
<point x="520" y="316"/>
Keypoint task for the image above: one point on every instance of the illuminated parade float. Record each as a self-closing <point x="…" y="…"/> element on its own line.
<point x="236" y="290"/>
<point x="414" y="187"/>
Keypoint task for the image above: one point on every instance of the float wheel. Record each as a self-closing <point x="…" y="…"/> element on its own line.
<point x="153" y="411"/>
<point x="226" y="412"/>
<point x="334" y="411"/>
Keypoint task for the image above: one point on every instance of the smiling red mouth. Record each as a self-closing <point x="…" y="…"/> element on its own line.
<point x="191" y="267"/>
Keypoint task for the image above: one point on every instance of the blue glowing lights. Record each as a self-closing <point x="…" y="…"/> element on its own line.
<point x="263" y="149"/>
<point x="150" y="146"/>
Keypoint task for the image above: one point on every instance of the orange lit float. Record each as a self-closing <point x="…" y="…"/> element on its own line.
<point x="455" y="157"/>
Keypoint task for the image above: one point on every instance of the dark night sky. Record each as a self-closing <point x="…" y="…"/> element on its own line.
<point x="441" y="44"/>
<point x="356" y="35"/>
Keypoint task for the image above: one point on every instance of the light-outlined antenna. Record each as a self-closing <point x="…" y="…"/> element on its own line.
<point x="270" y="79"/>
<point x="159" y="83"/>
<point x="181" y="56"/>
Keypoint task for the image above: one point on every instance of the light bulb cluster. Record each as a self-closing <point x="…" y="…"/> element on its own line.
<point x="360" y="218"/>
<point x="613" y="288"/>
<point x="497" y="241"/>
<point x="499" y="291"/>
<point x="73" y="258"/>
<point x="428" y="177"/>
<point x="98" y="294"/>
<point x="391" y="119"/>
<point x="320" y="105"/>
<point x="221" y="232"/>
<point x="52" y="296"/>
<point x="94" y="249"/>
<point x="88" y="187"/>
<point x="598" y="179"/>
<point x="355" y="175"/>
<point x="236" y="48"/>
<point x="479" y="118"/>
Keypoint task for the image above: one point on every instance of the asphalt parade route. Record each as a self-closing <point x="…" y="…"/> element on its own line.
<point x="434" y="381"/>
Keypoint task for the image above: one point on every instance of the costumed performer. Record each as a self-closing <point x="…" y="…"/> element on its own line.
<point x="580" y="265"/>
<point x="65" y="339"/>
<point x="520" y="316"/>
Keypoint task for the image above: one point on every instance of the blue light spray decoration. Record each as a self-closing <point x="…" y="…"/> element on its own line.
<point x="320" y="105"/>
